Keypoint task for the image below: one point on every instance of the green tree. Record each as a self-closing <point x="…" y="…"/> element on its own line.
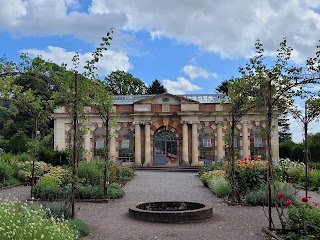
<point x="223" y="87"/>
<point x="284" y="127"/>
<point x="122" y="83"/>
<point x="156" y="88"/>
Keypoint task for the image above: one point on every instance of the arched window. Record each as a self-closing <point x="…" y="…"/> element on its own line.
<point x="206" y="143"/>
<point x="126" y="147"/>
<point x="99" y="136"/>
<point x="257" y="142"/>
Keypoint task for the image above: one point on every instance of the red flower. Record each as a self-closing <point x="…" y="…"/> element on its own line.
<point x="309" y="197"/>
<point x="288" y="203"/>
<point x="304" y="199"/>
<point x="280" y="195"/>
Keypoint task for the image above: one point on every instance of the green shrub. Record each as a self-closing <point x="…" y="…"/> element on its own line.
<point x="19" y="143"/>
<point x="315" y="179"/>
<point x="91" y="173"/>
<point x="206" y="177"/>
<point x="58" y="210"/>
<point x="285" y="149"/>
<point x="49" y="189"/>
<point x="89" y="192"/>
<point x="115" y="191"/>
<point x="304" y="222"/>
<point x="18" y="221"/>
<point x="220" y="186"/>
<point x="259" y="197"/>
<point x="80" y="226"/>
<point x="211" y="167"/>
<point x="296" y="172"/>
<point x="119" y="173"/>
<point x="6" y="172"/>
<point x="23" y="157"/>
<point x="315" y="165"/>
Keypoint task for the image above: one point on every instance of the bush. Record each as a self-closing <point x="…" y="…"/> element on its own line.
<point x="18" y="221"/>
<point x="115" y="191"/>
<point x="89" y="192"/>
<point x="297" y="152"/>
<point x="304" y="222"/>
<point x="6" y="172"/>
<point x="315" y="180"/>
<point x="19" y="143"/>
<point x="211" y="167"/>
<point x="220" y="186"/>
<point x="58" y="210"/>
<point x="23" y="157"/>
<point x="315" y="165"/>
<point x="54" y="157"/>
<point x="206" y="177"/>
<point x="80" y="226"/>
<point x="91" y="173"/>
<point x="259" y="197"/>
<point x="119" y="173"/>
<point x="49" y="189"/>
<point x="286" y="148"/>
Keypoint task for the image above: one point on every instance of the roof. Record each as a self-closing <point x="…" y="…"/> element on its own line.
<point x="201" y="98"/>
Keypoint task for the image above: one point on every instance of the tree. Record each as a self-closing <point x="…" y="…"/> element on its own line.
<point x="156" y="88"/>
<point x="277" y="85"/>
<point x="284" y="127"/>
<point x="122" y="83"/>
<point x="223" y="87"/>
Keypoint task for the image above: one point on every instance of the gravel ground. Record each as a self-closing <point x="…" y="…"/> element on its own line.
<point x="111" y="220"/>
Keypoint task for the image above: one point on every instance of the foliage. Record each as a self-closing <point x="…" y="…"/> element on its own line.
<point x="18" y="221"/>
<point x="284" y="129"/>
<point x="249" y="175"/>
<point x="6" y="172"/>
<point x="314" y="180"/>
<point x="156" y="88"/>
<point x="80" y="226"/>
<point x="122" y="83"/>
<point x="259" y="197"/>
<point x="57" y="210"/>
<point x="220" y="186"/>
<point x="304" y="222"/>
<point x="89" y="192"/>
<point x="19" y="143"/>
<point x="48" y="188"/>
<point x="115" y="191"/>
<point x="206" y="177"/>
<point x="285" y="149"/>
<point x="119" y="173"/>
<point x="211" y="167"/>
<point x="90" y="173"/>
<point x="223" y="87"/>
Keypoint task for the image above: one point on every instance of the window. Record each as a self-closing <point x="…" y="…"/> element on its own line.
<point x="257" y="141"/>
<point x="206" y="142"/>
<point x="125" y="143"/>
<point x="126" y="152"/>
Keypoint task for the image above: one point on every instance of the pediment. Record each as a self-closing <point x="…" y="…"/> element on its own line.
<point x="166" y="98"/>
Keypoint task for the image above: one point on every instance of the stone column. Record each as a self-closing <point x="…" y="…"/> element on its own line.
<point x="195" y="144"/>
<point x="185" y="160"/>
<point x="112" y="147"/>
<point x="59" y="134"/>
<point x="137" y="144"/>
<point x="245" y="141"/>
<point x="220" y="143"/>
<point x="275" y="140"/>
<point x="147" y="146"/>
<point x="87" y="144"/>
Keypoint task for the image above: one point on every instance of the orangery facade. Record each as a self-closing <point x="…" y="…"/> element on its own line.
<point x="169" y="130"/>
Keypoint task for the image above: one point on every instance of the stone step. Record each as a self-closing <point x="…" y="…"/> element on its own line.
<point x="169" y="168"/>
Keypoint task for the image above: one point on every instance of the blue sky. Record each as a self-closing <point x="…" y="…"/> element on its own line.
<point x="190" y="46"/>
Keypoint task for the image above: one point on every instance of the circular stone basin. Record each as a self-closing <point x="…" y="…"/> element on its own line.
<point x="170" y="212"/>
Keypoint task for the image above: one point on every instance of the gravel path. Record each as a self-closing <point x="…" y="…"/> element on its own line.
<point x="111" y="220"/>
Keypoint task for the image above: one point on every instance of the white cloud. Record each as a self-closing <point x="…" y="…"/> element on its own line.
<point x="227" y="29"/>
<point x="110" y="61"/>
<point x="195" y="72"/>
<point x="181" y="86"/>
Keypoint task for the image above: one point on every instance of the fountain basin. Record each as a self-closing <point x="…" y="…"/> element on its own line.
<point x="171" y="212"/>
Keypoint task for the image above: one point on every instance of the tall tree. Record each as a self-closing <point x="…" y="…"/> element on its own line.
<point x="278" y="84"/>
<point x="122" y="83"/>
<point x="223" y="87"/>
<point x="156" y="88"/>
<point x="284" y="127"/>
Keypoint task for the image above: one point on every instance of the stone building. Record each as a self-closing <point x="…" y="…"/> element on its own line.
<point x="169" y="130"/>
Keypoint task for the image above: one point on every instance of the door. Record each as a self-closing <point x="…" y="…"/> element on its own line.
<point x="160" y="152"/>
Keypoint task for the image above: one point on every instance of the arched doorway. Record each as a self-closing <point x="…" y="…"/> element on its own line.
<point x="165" y="147"/>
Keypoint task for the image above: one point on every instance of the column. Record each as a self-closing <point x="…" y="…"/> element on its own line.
<point x="195" y="144"/>
<point x="245" y="141"/>
<point x="275" y="140"/>
<point x="147" y="147"/>
<point x="112" y="147"/>
<point x="185" y="160"/>
<point x="220" y="143"/>
<point x="137" y="144"/>
<point x="87" y="136"/>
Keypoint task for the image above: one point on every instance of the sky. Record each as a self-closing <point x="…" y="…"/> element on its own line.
<point x="190" y="46"/>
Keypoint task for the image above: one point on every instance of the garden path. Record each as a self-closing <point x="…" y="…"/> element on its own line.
<point x="111" y="220"/>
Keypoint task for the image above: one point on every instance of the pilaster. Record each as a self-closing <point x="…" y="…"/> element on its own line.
<point x="147" y="144"/>
<point x="137" y="143"/>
